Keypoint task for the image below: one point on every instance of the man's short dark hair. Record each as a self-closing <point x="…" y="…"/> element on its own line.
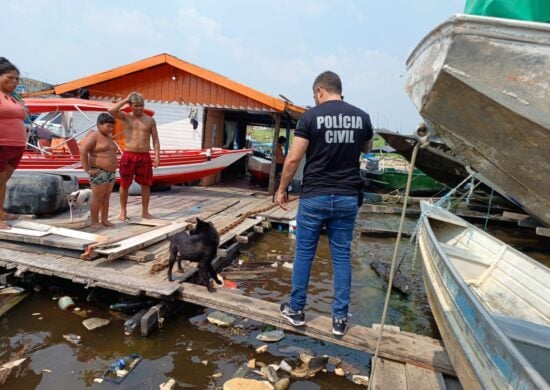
<point x="6" y="66"/>
<point x="105" y="118"/>
<point x="329" y="81"/>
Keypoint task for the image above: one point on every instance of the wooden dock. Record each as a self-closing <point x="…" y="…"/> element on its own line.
<point x="238" y="215"/>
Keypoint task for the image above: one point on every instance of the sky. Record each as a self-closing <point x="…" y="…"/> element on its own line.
<point x="277" y="47"/>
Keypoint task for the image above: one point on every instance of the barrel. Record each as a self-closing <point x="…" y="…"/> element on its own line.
<point x="38" y="193"/>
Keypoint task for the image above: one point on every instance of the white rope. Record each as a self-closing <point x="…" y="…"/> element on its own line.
<point x="392" y="268"/>
<point x="446" y="199"/>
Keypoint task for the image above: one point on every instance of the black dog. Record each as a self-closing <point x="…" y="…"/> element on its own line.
<point x="200" y="245"/>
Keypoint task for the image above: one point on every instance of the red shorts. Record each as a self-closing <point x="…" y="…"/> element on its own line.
<point x="138" y="165"/>
<point x="10" y="155"/>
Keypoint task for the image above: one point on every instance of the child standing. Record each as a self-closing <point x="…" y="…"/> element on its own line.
<point x="98" y="157"/>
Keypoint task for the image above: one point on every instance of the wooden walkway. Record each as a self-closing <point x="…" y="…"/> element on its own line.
<point x="238" y="215"/>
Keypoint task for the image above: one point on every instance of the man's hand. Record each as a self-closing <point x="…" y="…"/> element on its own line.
<point x="282" y="198"/>
<point x="157" y="161"/>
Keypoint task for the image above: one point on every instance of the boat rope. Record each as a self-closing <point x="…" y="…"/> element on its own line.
<point x="394" y="258"/>
<point x="488" y="210"/>
<point x="446" y="199"/>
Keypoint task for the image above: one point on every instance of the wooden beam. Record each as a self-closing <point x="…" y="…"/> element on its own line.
<point x="401" y="347"/>
<point x="272" y="188"/>
<point x="543" y="231"/>
<point x="120" y="248"/>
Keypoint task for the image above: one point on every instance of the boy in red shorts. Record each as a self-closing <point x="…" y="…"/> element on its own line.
<point x="136" y="163"/>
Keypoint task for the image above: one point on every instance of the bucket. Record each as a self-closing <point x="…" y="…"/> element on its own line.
<point x="292" y="229"/>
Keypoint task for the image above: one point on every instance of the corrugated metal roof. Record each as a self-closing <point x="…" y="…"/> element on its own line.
<point x="167" y="78"/>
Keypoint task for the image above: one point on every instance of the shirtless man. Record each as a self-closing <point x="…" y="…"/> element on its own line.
<point x="136" y="160"/>
<point x="98" y="157"/>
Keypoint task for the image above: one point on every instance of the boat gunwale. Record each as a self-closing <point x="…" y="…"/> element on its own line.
<point x="465" y="25"/>
<point x="529" y="371"/>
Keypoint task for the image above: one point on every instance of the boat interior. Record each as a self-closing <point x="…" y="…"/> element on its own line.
<point x="512" y="287"/>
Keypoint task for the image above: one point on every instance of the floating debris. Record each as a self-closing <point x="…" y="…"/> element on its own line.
<point x="310" y="369"/>
<point x="46" y="370"/>
<point x="349" y="368"/>
<point x="66" y="303"/>
<point x="251" y="363"/>
<point x="284" y="366"/>
<point x="360" y="380"/>
<point x="98" y="380"/>
<point x="262" y="349"/>
<point x="204" y="362"/>
<point x="12" y="364"/>
<point x="291" y="349"/>
<point x="269" y="373"/>
<point x="36" y="314"/>
<point x="281" y="384"/>
<point x="241" y="372"/>
<point x="168" y="385"/>
<point x="246" y="384"/>
<point x="95" y="323"/>
<point x="271" y="336"/>
<point x="131" y="324"/>
<point x="73" y="338"/>
<point x="288" y="265"/>
<point x="217" y="375"/>
<point x="400" y="282"/>
<point x="220" y="319"/>
<point x="339" y="371"/>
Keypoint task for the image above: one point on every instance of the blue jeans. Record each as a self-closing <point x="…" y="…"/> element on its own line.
<point x="337" y="213"/>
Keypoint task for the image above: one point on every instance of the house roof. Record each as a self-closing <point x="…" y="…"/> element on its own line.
<point x="167" y="78"/>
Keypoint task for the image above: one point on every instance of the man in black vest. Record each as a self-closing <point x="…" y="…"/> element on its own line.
<point x="332" y="136"/>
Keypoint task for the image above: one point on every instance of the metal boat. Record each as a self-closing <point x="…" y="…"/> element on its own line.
<point x="490" y="303"/>
<point x="481" y="84"/>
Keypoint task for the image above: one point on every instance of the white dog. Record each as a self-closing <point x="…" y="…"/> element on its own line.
<point x="78" y="199"/>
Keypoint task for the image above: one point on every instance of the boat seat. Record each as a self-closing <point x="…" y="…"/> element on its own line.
<point x="464" y="254"/>
<point x="524" y="331"/>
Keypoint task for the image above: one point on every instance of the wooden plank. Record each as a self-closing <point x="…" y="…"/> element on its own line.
<point x="6" y="234"/>
<point x="421" y="378"/>
<point x="140" y="256"/>
<point x="396" y="346"/>
<point x="57" y="230"/>
<point x="123" y="275"/>
<point x="141" y="240"/>
<point x="390" y="375"/>
<point x="514" y="216"/>
<point x="48" y="240"/>
<point x="543" y="231"/>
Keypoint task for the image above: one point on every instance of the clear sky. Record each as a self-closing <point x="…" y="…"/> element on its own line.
<point x="277" y="47"/>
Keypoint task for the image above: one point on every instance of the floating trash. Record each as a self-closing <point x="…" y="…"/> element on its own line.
<point x="262" y="349"/>
<point x="271" y="336"/>
<point x="95" y="323"/>
<point x="244" y="383"/>
<point x="73" y="338"/>
<point x="220" y="319"/>
<point x="66" y="303"/>
<point x="120" y="368"/>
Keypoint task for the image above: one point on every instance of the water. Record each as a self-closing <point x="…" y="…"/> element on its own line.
<point x="189" y="349"/>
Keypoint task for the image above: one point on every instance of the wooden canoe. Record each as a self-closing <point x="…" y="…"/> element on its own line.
<point x="490" y="301"/>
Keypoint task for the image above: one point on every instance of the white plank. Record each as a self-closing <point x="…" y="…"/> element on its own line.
<point x="56" y="230"/>
<point x="23" y="232"/>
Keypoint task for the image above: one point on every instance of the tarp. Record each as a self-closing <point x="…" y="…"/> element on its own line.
<point x="531" y="10"/>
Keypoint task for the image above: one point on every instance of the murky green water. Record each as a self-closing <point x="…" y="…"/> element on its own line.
<point x="189" y="349"/>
